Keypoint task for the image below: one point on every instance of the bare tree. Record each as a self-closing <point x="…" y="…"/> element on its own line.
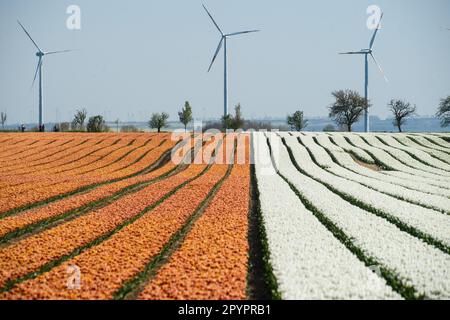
<point x="348" y="108"/>
<point x="401" y="111"/>
<point x="3" y="118"/>
<point x="79" y="119"/>
<point x="444" y="112"/>
<point x="297" y="121"/>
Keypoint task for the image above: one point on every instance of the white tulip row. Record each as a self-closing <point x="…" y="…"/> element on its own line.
<point x="345" y="160"/>
<point x="360" y="153"/>
<point x="405" y="140"/>
<point x="416" y="263"/>
<point x="435" y="139"/>
<point x="427" y="143"/>
<point x="321" y="156"/>
<point x="431" y="222"/>
<point x="410" y="179"/>
<point x="308" y="262"/>
<point x="393" y="163"/>
<point x="403" y="156"/>
<point x="420" y="154"/>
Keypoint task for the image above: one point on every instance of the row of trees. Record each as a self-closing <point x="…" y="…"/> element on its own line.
<point x="349" y="106"/>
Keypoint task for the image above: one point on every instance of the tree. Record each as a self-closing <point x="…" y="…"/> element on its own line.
<point x="297" y="121"/>
<point x="401" y="111"/>
<point x="158" y="121"/>
<point x="185" y="114"/>
<point x="443" y="112"/>
<point x="234" y="122"/>
<point x="64" y="126"/>
<point x="117" y="122"/>
<point x="97" y="124"/>
<point x="329" y="128"/>
<point x="3" y="117"/>
<point x="238" y="120"/>
<point x="79" y="119"/>
<point x="348" y="108"/>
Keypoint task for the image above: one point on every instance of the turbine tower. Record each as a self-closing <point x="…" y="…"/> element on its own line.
<point x="223" y="41"/>
<point x="40" y="54"/>
<point x="367" y="53"/>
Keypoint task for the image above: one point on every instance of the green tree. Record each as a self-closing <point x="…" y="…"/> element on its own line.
<point x="329" y="128"/>
<point x="401" y="111"/>
<point x="185" y="115"/>
<point x="443" y="112"/>
<point x="3" y="118"/>
<point x="234" y="122"/>
<point x="158" y="121"/>
<point x="97" y="124"/>
<point x="297" y="121"/>
<point x="79" y="119"/>
<point x="348" y="108"/>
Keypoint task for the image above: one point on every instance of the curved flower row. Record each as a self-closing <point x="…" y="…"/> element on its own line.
<point x="347" y="162"/>
<point x="15" y="147"/>
<point x="414" y="262"/>
<point x="417" y="197"/>
<point x="212" y="262"/>
<point x="405" y="140"/>
<point x="429" y="221"/>
<point x="107" y="161"/>
<point x="342" y="143"/>
<point x="30" y="154"/>
<point x="58" y="208"/>
<point x="90" y="149"/>
<point x="29" y="254"/>
<point x="420" y="154"/>
<point x="106" y="267"/>
<point x="403" y="156"/>
<point x="38" y="160"/>
<point x="68" y="185"/>
<point x="307" y="261"/>
<point x="402" y="169"/>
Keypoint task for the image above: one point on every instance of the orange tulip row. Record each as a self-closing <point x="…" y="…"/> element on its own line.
<point x="12" y="198"/>
<point x="41" y="158"/>
<point x="29" y="254"/>
<point x="213" y="259"/>
<point x="59" y="208"/>
<point x="105" y="268"/>
<point x="30" y="154"/>
<point x="97" y="160"/>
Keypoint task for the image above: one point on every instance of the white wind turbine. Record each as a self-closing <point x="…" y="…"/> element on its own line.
<point x="223" y="41"/>
<point x="367" y="53"/>
<point x="40" y="54"/>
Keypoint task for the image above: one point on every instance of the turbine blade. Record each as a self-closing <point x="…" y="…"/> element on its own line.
<point x="215" y="54"/>
<point x="379" y="67"/>
<point x="209" y="14"/>
<point x="36" y="73"/>
<point x="55" y="52"/>
<point x="352" y="52"/>
<point x="376" y="31"/>
<point x="25" y="30"/>
<point x="242" y="32"/>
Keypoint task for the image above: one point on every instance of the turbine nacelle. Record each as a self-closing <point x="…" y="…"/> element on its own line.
<point x="40" y="54"/>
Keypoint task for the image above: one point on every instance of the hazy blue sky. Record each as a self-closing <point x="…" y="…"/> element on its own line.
<point x="141" y="56"/>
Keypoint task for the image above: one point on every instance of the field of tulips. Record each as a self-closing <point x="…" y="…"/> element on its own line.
<point x="289" y="215"/>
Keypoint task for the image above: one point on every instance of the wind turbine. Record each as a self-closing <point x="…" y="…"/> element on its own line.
<point x="367" y="53"/>
<point x="40" y="54"/>
<point x="223" y="41"/>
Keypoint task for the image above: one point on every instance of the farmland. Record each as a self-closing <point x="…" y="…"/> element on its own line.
<point x="288" y="215"/>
